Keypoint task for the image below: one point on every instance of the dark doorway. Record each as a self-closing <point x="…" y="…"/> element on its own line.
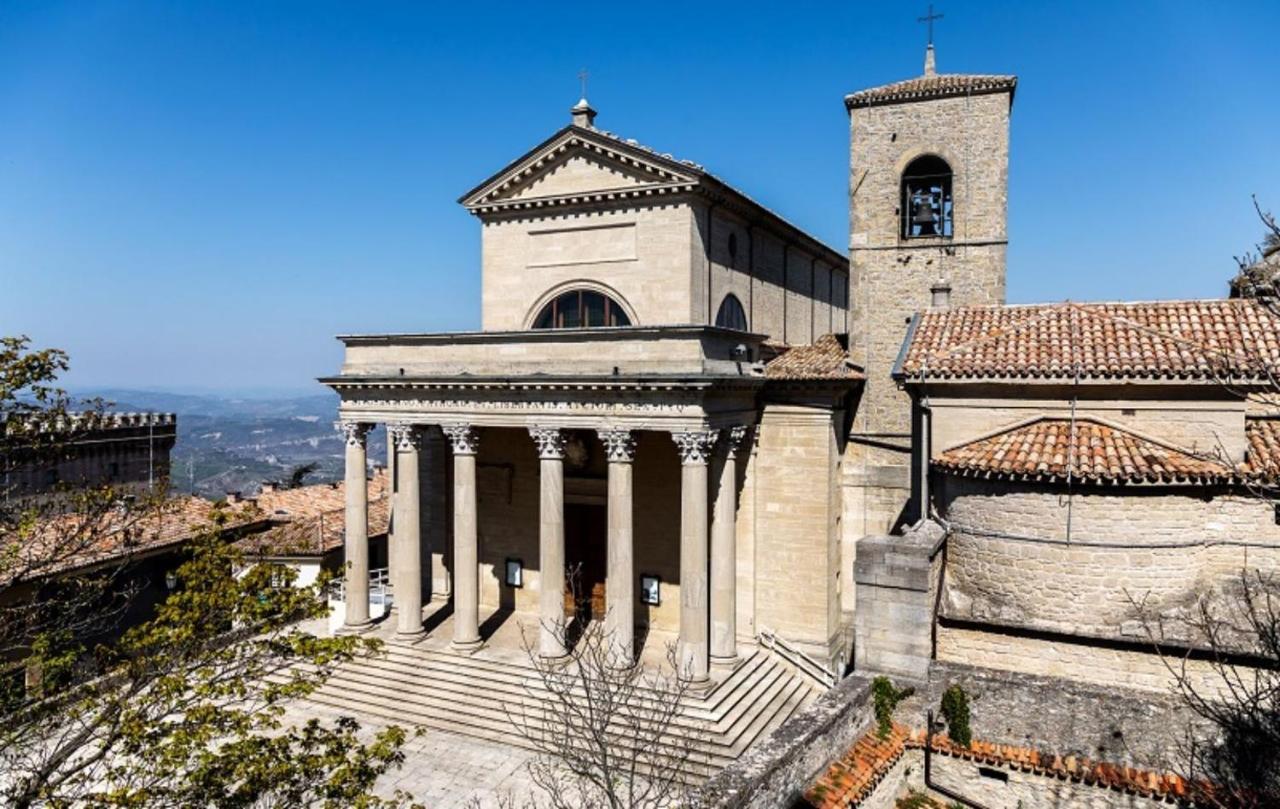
<point x="585" y="542"/>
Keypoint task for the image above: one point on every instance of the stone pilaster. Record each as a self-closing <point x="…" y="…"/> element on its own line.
<point x="551" y="632"/>
<point x="695" y="447"/>
<point x="620" y="589"/>
<point x="724" y="554"/>
<point x="407" y="577"/>
<point x="355" y="542"/>
<point x="465" y="443"/>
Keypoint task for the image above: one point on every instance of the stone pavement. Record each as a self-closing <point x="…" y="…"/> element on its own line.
<point x="445" y="770"/>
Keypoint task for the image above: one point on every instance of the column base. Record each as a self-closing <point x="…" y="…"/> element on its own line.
<point x="726" y="663"/>
<point x="356" y="629"/>
<point x="409" y="637"/>
<point x="466" y="646"/>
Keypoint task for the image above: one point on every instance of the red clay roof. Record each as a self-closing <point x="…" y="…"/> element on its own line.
<point x="825" y="358"/>
<point x="1206" y="340"/>
<point x="75" y="541"/>
<point x="922" y="88"/>
<point x="1262" y="459"/>
<point x="1091" y="451"/>
<point x="310" y="520"/>
<point x="852" y="778"/>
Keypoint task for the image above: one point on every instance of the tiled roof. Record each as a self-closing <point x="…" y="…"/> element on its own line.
<point x="1262" y="459"/>
<point x="825" y="358"/>
<point x="940" y="85"/>
<point x="314" y="535"/>
<point x="852" y="778"/>
<point x="1044" y="450"/>
<point x="310" y="520"/>
<point x="75" y="541"/>
<point x="855" y="775"/>
<point x="1209" y="340"/>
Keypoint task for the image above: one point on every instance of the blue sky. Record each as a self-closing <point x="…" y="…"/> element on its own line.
<point x="203" y="194"/>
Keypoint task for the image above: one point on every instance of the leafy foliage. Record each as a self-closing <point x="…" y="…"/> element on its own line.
<point x="955" y="709"/>
<point x="885" y="697"/>
<point x="185" y="709"/>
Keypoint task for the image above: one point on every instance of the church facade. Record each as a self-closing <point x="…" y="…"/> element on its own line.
<point x="685" y="415"/>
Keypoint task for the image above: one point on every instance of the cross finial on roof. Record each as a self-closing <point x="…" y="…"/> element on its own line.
<point x="583" y="113"/>
<point x="929" y="65"/>
<point x="929" y="18"/>
<point x="582" y="78"/>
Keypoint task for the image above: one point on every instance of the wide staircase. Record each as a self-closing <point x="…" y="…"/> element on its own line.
<point x="491" y="698"/>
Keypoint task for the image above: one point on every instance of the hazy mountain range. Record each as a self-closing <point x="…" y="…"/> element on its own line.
<point x="234" y="443"/>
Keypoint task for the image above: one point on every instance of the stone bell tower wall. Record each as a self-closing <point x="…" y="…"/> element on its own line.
<point x="893" y="277"/>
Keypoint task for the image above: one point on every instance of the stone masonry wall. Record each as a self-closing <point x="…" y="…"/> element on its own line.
<point x="1011" y="563"/>
<point x="797" y="562"/>
<point x="891" y="276"/>
<point x="787" y="291"/>
<point x="641" y="255"/>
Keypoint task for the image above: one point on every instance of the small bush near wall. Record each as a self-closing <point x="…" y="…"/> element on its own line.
<point x="955" y="709"/>
<point x="886" y="698"/>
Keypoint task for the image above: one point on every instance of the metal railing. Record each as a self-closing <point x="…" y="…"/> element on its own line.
<point x="380" y="588"/>
<point x="798" y="660"/>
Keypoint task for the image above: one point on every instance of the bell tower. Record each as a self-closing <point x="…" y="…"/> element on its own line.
<point x="928" y="189"/>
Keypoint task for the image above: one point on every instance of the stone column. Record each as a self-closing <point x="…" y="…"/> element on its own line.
<point x="694" y="449"/>
<point x="355" y="542"/>
<point x="724" y="555"/>
<point x="620" y="588"/>
<point x="551" y="632"/>
<point x="407" y="576"/>
<point x="466" y="551"/>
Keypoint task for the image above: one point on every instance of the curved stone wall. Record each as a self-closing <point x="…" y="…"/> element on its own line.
<point x="1011" y="562"/>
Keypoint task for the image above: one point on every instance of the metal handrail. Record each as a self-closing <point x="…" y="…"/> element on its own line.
<point x="798" y="659"/>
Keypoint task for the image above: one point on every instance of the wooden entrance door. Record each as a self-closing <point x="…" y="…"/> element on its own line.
<point x="585" y="544"/>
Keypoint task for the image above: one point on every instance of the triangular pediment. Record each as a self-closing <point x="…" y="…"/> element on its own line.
<point x="575" y="163"/>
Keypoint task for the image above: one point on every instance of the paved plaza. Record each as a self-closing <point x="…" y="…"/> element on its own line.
<point x="445" y="770"/>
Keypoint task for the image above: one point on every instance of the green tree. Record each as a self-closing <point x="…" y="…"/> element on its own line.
<point x="185" y="709"/>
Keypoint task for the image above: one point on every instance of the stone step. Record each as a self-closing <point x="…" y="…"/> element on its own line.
<point x="452" y="672"/>
<point x="454" y="686"/>
<point x="481" y="697"/>
<point x="700" y="766"/>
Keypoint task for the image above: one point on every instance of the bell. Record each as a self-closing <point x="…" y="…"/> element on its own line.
<point x="922" y="210"/>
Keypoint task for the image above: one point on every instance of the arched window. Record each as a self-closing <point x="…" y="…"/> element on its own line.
<point x="926" y="198"/>
<point x="581" y="309"/>
<point x="731" y="314"/>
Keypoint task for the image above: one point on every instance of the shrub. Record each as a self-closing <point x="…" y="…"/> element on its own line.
<point x="955" y="708"/>
<point x="886" y="697"/>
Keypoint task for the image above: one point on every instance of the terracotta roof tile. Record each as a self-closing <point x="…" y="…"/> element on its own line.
<point x="852" y="778"/>
<point x="1048" y="449"/>
<point x="310" y="520"/>
<point x="940" y="85"/>
<point x="1210" y="340"/>
<point x="825" y="358"/>
<point x="1262" y="459"/>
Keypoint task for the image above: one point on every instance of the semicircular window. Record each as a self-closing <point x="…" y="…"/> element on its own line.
<point x="731" y="314"/>
<point x="581" y="309"/>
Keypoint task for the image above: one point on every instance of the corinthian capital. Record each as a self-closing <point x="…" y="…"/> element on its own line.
<point x="619" y="445"/>
<point x="734" y="438"/>
<point x="354" y="432"/>
<point x="550" y="441"/>
<point x="462" y="438"/>
<point x="407" y="437"/>
<point x="695" y="445"/>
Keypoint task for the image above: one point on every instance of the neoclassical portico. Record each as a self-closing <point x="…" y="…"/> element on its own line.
<point x="703" y="411"/>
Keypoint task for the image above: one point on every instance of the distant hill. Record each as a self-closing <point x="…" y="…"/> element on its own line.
<point x="234" y="443"/>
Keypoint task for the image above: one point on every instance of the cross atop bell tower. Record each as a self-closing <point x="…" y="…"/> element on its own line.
<point x="929" y="66"/>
